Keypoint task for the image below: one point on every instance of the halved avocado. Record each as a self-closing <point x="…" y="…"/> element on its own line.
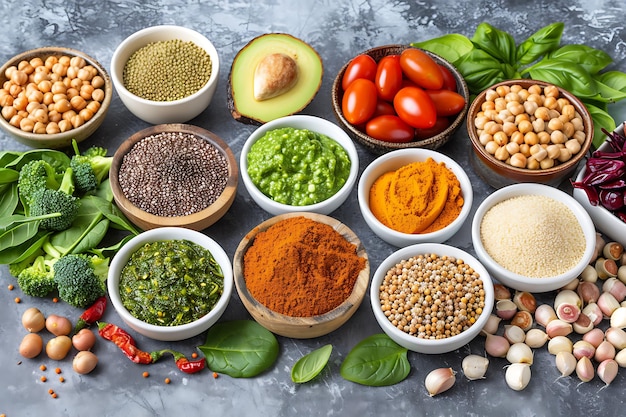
<point x="241" y="102"/>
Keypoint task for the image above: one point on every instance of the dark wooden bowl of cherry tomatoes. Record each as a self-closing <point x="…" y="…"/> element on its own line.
<point x="398" y="96"/>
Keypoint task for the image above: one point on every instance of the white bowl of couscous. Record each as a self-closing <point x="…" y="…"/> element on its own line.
<point x="464" y="318"/>
<point x="148" y="73"/>
<point x="533" y="237"/>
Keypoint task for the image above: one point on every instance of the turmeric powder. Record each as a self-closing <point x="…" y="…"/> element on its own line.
<point x="301" y="268"/>
<point x="421" y="197"/>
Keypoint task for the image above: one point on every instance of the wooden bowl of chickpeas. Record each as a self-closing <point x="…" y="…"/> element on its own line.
<point x="527" y="131"/>
<point x="52" y="95"/>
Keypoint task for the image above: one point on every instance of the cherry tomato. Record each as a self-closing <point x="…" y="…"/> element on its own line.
<point x="447" y="103"/>
<point x="441" y="124"/>
<point x="390" y="129"/>
<point x="359" y="101"/>
<point x="415" y="107"/>
<point x="420" y="68"/>
<point x="388" y="77"/>
<point x="362" y="66"/>
<point x="383" y="107"/>
<point x="449" y="82"/>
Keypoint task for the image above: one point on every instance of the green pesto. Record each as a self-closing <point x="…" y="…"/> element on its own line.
<point x="297" y="166"/>
<point x="171" y="282"/>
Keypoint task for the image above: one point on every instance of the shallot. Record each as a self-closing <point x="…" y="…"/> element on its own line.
<point x="496" y="345"/>
<point x="475" y="366"/>
<point x="439" y="380"/>
<point x="506" y="309"/>
<point x="517" y="376"/>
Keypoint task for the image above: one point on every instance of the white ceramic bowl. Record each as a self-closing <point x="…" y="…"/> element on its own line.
<point x="517" y="281"/>
<point x="170" y="333"/>
<point x="417" y="344"/>
<point x="394" y="160"/>
<point x="158" y="112"/>
<point x="605" y="221"/>
<point x="315" y="124"/>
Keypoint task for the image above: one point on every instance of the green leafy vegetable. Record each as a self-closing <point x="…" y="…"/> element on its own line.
<point x="491" y="56"/>
<point x="376" y="361"/>
<point x="309" y="366"/>
<point x="240" y="348"/>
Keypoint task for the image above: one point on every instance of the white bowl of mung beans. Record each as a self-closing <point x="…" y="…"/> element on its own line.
<point x="165" y="74"/>
<point x="431" y="298"/>
<point x="533" y="237"/>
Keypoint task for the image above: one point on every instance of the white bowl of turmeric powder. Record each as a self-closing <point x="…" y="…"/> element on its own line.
<point x="411" y="196"/>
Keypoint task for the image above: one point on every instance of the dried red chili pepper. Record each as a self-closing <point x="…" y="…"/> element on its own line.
<point x="92" y="314"/>
<point x="126" y="343"/>
<point x="184" y="364"/>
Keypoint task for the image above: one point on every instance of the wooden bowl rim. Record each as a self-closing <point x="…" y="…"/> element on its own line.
<point x="302" y="325"/>
<point x="64" y="138"/>
<point x="198" y="220"/>
<point x="523" y="173"/>
<point x="433" y="142"/>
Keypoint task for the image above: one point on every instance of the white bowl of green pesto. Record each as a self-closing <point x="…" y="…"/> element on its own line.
<point x="299" y="163"/>
<point x="170" y="283"/>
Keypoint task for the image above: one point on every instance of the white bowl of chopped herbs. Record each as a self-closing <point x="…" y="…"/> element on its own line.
<point x="170" y="283"/>
<point x="533" y="237"/>
<point x="166" y="73"/>
<point x="299" y="163"/>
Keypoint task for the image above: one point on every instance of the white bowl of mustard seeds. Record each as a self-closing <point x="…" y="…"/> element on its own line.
<point x="533" y="237"/>
<point x="149" y="75"/>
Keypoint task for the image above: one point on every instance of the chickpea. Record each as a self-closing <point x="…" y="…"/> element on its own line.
<point x="501" y="138"/>
<point x="518" y="160"/>
<point x="501" y="153"/>
<point x="84" y="362"/>
<point x="573" y="146"/>
<point x="491" y="147"/>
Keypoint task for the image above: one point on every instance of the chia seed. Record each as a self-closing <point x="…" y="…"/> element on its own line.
<point x="172" y="174"/>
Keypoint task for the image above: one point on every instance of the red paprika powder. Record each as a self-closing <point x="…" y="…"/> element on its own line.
<point x="301" y="268"/>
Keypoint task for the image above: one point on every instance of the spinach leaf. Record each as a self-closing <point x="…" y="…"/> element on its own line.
<point x="376" y="361"/>
<point x="240" y="348"/>
<point x="591" y="59"/>
<point x="539" y="43"/>
<point x="112" y="249"/>
<point x="17" y="233"/>
<point x="87" y="217"/>
<point x="9" y="200"/>
<point x="59" y="160"/>
<point x="450" y="47"/>
<point x="568" y="75"/>
<point x="7" y="157"/>
<point x="497" y="43"/>
<point x="8" y="175"/>
<point x="14" y="254"/>
<point x="93" y="237"/>
<point x="309" y="366"/>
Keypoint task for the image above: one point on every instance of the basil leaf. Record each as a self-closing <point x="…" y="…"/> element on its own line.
<point x="376" y="361"/>
<point x="240" y="348"/>
<point x="614" y="79"/>
<point x="309" y="366"/>
<point x="591" y="59"/>
<point x="568" y="75"/>
<point x="9" y="199"/>
<point x="601" y="119"/>
<point x="480" y="70"/>
<point x="450" y="47"/>
<point x="539" y="43"/>
<point x="495" y="42"/>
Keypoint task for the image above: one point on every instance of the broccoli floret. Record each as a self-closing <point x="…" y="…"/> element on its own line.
<point x="35" y="176"/>
<point x="61" y="200"/>
<point x="37" y="280"/>
<point x="90" y="168"/>
<point x="80" y="278"/>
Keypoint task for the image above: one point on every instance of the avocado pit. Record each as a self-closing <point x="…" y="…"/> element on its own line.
<point x="276" y="74"/>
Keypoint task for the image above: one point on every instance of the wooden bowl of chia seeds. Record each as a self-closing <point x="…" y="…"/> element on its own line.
<point x="174" y="175"/>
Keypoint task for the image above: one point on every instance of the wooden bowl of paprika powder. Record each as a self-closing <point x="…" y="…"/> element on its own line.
<point x="301" y="275"/>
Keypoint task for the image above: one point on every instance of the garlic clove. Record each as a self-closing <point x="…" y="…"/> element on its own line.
<point x="616" y="336"/>
<point x="616" y="287"/>
<point x="520" y="353"/>
<point x="621" y="271"/>
<point x="491" y="325"/>
<point x="567" y="296"/>
<point x="558" y="327"/>
<point x="568" y="312"/>
<point x="583" y="324"/>
<point x="523" y="319"/>
<point x="544" y="314"/>
<point x="475" y="367"/>
<point x="439" y="380"/>
<point x="517" y="376"/>
<point x="604" y="351"/>
<point x="618" y="318"/>
<point x="501" y="292"/>
<point x="571" y="285"/>
<point x="592" y="310"/>
<point x="506" y="309"/>
<point x="589" y="274"/>
<point x="536" y="338"/>
<point x="525" y="301"/>
<point x="607" y="370"/>
<point x="620" y="358"/>
<point x="607" y="303"/>
<point x="496" y="345"/>
<point x="560" y="343"/>
<point x="583" y="348"/>
<point x="584" y="369"/>
<point x="565" y="363"/>
<point x="514" y="334"/>
<point x="600" y="243"/>
<point x="588" y="292"/>
<point x="594" y="336"/>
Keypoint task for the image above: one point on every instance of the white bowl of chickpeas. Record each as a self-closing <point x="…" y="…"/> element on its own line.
<point x="165" y="74"/>
<point x="527" y="131"/>
<point x="52" y="95"/>
<point x="420" y="301"/>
